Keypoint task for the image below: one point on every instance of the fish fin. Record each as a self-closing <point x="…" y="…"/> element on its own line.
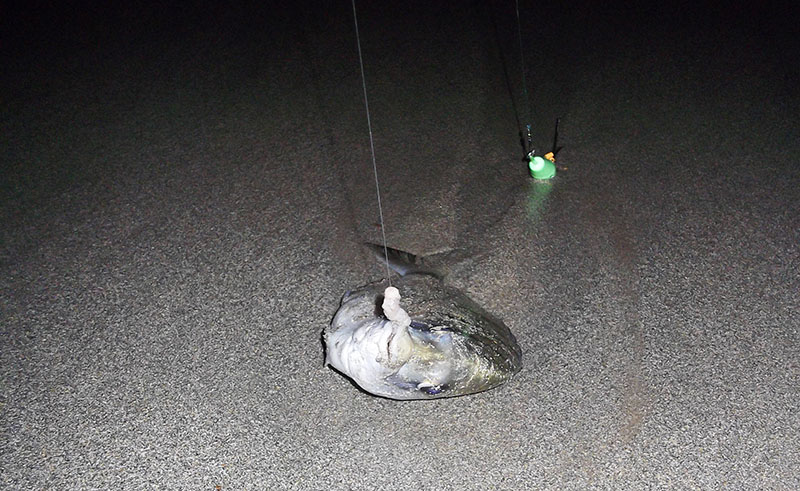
<point x="402" y="262"/>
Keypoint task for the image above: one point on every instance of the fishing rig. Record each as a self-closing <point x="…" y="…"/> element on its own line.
<point x="541" y="167"/>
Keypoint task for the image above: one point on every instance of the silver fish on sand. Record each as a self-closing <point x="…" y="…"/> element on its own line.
<point x="450" y="347"/>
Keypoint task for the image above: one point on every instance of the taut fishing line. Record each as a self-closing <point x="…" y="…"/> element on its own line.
<point x="524" y="83"/>
<point x="372" y="146"/>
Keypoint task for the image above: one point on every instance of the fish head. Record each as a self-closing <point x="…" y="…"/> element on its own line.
<point x="364" y="345"/>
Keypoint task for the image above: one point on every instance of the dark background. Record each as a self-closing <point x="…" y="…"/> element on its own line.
<point x="185" y="186"/>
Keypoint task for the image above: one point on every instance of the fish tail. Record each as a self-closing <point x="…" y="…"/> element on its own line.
<point x="402" y="262"/>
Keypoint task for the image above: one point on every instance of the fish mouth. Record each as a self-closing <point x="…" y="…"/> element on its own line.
<point x="398" y="347"/>
<point x="394" y="356"/>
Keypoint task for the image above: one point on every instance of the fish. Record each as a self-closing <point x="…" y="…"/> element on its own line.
<point x="450" y="347"/>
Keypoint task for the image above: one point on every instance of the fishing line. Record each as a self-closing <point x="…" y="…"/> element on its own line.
<point x="372" y="146"/>
<point x="524" y="82"/>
